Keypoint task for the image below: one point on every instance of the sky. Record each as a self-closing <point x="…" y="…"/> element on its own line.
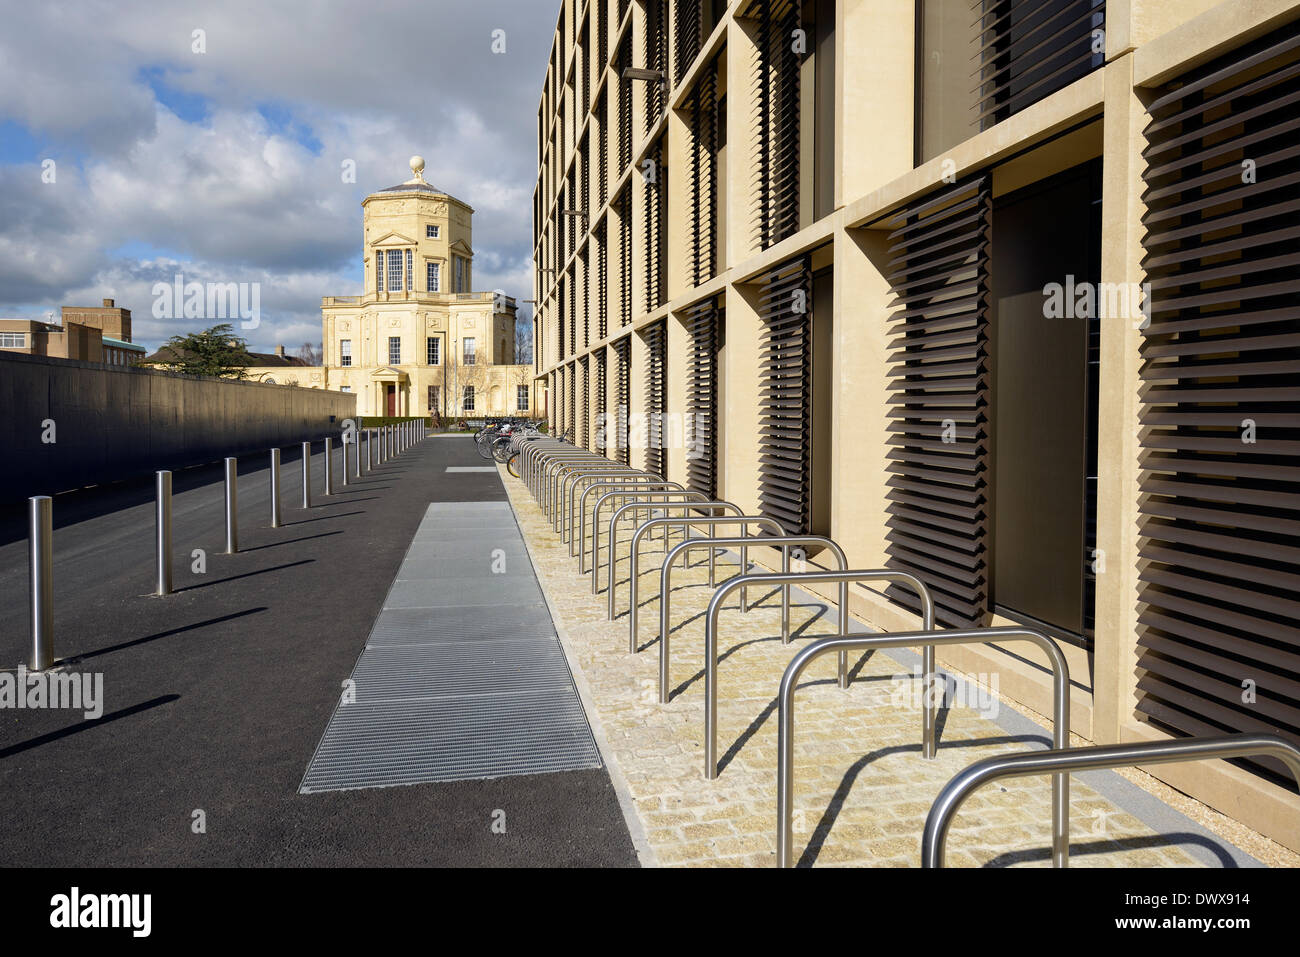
<point x="141" y="140"/>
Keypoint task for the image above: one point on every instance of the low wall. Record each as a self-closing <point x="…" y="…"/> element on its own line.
<point x="116" y="423"/>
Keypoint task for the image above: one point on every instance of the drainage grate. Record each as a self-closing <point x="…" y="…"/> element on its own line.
<point x="463" y="676"/>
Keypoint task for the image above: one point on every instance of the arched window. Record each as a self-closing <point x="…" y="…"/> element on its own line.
<point x="469" y="398"/>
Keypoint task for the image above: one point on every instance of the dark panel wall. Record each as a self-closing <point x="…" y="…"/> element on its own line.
<point x="113" y="424"/>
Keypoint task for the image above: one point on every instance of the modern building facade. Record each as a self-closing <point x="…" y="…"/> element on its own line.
<point x="420" y="341"/>
<point x="89" y="333"/>
<point x="1001" y="294"/>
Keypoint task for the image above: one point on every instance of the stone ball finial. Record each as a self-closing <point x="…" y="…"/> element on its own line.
<point x="417" y="166"/>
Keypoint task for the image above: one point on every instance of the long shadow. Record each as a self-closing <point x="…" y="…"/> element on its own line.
<point x="165" y="634"/>
<point x="1115" y="844"/>
<point x="823" y="828"/>
<point x="723" y="656"/>
<point x="324" y="518"/>
<point x="350" y="501"/>
<point x="87" y="725"/>
<point x="291" y="541"/>
<point x="232" y="578"/>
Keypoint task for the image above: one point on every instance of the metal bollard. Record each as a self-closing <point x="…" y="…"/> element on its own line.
<point x="357" y="438"/>
<point x="370" y="462"/>
<point x="163" y="530"/>
<point x="275" y="488"/>
<point x="306" y="475"/>
<point x="40" y="546"/>
<point x="232" y="506"/>
<point x="329" y="466"/>
<point x="344" y="442"/>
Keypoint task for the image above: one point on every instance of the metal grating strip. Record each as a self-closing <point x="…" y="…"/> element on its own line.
<point x="463" y="676"/>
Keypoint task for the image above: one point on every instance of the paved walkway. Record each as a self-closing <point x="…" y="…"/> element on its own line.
<point x="217" y="696"/>
<point x="862" y="790"/>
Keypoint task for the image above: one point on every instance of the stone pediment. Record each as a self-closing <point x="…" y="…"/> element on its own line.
<point x="462" y="247"/>
<point x="393" y="239"/>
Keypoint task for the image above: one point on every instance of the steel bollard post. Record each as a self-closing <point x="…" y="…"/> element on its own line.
<point x="275" y="488"/>
<point x="40" y="545"/>
<point x="329" y="466"/>
<point x="306" y="475"/>
<point x="232" y="506"/>
<point x="163" y="530"/>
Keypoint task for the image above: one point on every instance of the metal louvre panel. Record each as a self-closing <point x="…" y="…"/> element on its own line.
<point x="602" y="424"/>
<point x="938" y="432"/>
<point x="1029" y="49"/>
<point x="775" y="83"/>
<point x="624" y="105"/>
<point x="785" y="402"/>
<point x="602" y="156"/>
<point x="625" y="257"/>
<point x="586" y="299"/>
<point x="702" y="398"/>
<point x="602" y="284"/>
<point x="686" y="29"/>
<point x="653" y="198"/>
<point x="572" y="406"/>
<point x="584" y="426"/>
<point x="602" y="36"/>
<point x="623" y="351"/>
<point x="1220" y="528"/>
<point x="570" y="287"/>
<point x="703" y="172"/>
<point x="655" y="337"/>
<point x="655" y="54"/>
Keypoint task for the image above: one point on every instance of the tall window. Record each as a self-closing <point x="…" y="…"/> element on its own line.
<point x="345" y="352"/>
<point x="460" y="273"/>
<point x="432" y="232"/>
<point x="469" y="398"/>
<point x="433" y="398"/>
<point x="410" y="275"/>
<point x="394" y="270"/>
<point x="469" y="350"/>
<point x="394" y="349"/>
<point x="433" y="345"/>
<point x="432" y="278"/>
<point x="521" y="398"/>
<point x="379" y="270"/>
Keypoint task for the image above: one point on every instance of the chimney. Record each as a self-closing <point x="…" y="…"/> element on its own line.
<point x="279" y="351"/>
<point x="108" y="303"/>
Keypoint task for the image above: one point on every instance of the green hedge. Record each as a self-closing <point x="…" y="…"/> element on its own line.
<point x="374" y="421"/>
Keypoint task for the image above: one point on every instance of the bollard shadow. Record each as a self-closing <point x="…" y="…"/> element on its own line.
<point x="829" y="816"/>
<point x="292" y="541"/>
<point x="168" y="633"/>
<point x="87" y="725"/>
<point x="322" y="518"/>
<point x="232" y="578"/>
<point x="1115" y="844"/>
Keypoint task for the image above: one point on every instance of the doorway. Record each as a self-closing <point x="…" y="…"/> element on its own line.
<point x="390" y="400"/>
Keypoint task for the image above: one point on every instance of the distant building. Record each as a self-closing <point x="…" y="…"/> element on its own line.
<point x="88" y="333"/>
<point x="270" y="367"/>
<point x="419" y="341"/>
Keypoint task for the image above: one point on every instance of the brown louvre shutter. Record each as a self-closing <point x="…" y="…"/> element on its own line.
<point x="624" y="104"/>
<point x="584" y="427"/>
<point x="785" y="399"/>
<point x="602" y="156"/>
<point x="1220" y="532"/>
<point x="602" y="424"/>
<point x="702" y="322"/>
<point x="602" y="37"/>
<point x="623" y="350"/>
<point x="1029" y="49"/>
<point x="586" y="298"/>
<point x="655" y="337"/>
<point x="938" y="490"/>
<point x="703" y="174"/>
<point x="653" y="227"/>
<point x="776" y="87"/>
<point x="625" y="257"/>
<point x="656" y="36"/>
<point x="686" y="28"/>
<point x="602" y="284"/>
<point x="571" y="407"/>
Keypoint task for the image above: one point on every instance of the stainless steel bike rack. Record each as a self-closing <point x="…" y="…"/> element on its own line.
<point x="553" y="456"/>
<point x="551" y="472"/>
<point x="790" y="679"/>
<point x="572" y="473"/>
<point x="634" y="557"/>
<point x="785" y="541"/>
<point x="577" y="550"/>
<point x="534" y="455"/>
<point x="641" y="506"/>
<point x="648" y="498"/>
<point x="567" y="490"/>
<point x="935" y="836"/>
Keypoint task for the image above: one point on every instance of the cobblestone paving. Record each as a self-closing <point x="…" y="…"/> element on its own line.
<point x="862" y="789"/>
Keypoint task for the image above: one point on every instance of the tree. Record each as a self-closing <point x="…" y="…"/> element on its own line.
<point x="212" y="352"/>
<point x="524" y="342"/>
<point x="310" y="354"/>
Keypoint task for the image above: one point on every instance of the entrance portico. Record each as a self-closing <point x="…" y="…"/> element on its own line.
<point x="390" y="391"/>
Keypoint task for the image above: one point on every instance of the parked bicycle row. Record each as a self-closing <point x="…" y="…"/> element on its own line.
<point x="578" y="490"/>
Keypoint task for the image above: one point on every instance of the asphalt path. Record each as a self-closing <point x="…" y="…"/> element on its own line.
<point x="215" y="697"/>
